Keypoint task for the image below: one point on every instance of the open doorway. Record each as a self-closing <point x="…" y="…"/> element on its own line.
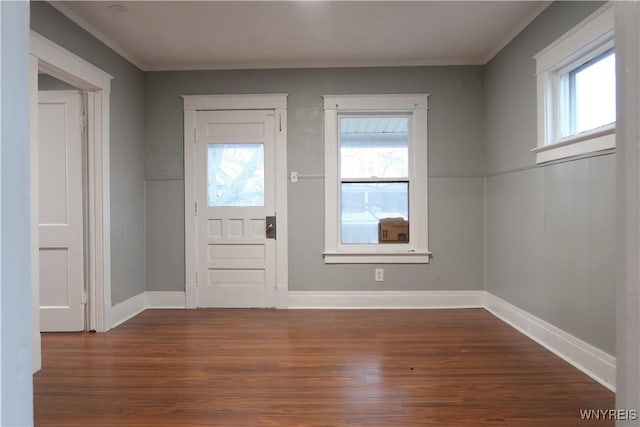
<point x="67" y="69"/>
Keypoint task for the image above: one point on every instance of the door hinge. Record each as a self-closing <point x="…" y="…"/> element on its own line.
<point x="84" y="297"/>
<point x="196" y="279"/>
<point x="280" y="121"/>
<point x="195" y="135"/>
<point x="195" y="208"/>
<point x="83" y="120"/>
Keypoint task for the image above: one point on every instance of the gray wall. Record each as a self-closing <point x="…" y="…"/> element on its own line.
<point x="550" y="241"/>
<point x="47" y="82"/>
<point x="456" y="169"/>
<point x="16" y="400"/>
<point x="127" y="153"/>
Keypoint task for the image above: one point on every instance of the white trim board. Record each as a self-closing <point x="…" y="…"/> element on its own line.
<point x="67" y="66"/>
<point x="135" y="305"/>
<point x="592" y="361"/>
<point x="385" y="299"/>
<point x="268" y="101"/>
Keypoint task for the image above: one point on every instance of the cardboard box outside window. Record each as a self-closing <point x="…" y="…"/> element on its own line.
<point x="393" y="230"/>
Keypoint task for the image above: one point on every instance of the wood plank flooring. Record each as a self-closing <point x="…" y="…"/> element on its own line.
<point x="310" y="368"/>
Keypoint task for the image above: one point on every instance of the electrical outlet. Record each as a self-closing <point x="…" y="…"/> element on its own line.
<point x="379" y="274"/>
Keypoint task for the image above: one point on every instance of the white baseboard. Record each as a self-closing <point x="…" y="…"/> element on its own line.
<point x="592" y="361"/>
<point x="127" y="309"/>
<point x="165" y="299"/>
<point x="385" y="299"/>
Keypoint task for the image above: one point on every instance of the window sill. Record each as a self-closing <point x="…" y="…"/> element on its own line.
<point x="377" y="257"/>
<point x="597" y="140"/>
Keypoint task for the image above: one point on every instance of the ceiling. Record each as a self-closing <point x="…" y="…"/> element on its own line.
<point x="183" y="35"/>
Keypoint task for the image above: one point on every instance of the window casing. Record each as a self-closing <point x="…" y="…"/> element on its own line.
<point x="576" y="90"/>
<point x="375" y="168"/>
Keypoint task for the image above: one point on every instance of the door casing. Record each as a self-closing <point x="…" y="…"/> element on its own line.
<point x="66" y="66"/>
<point x="195" y="103"/>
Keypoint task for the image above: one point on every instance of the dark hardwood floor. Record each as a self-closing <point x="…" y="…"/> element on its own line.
<point x="310" y="368"/>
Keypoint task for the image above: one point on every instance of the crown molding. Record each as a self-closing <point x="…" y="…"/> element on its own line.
<point x="318" y="64"/>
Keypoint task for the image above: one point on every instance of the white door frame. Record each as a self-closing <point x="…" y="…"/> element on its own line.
<point x="195" y="103"/>
<point x="66" y="66"/>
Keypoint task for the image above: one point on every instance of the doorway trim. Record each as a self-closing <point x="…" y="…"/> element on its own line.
<point x="195" y="103"/>
<point x="66" y="66"/>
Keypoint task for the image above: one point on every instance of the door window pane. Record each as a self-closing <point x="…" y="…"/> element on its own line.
<point x="365" y="204"/>
<point x="374" y="147"/>
<point x="235" y="175"/>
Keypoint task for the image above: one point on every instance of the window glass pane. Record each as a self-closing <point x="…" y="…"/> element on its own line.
<point x="590" y="95"/>
<point x="374" y="147"/>
<point x="235" y="174"/>
<point x="365" y="204"/>
<point x="596" y="94"/>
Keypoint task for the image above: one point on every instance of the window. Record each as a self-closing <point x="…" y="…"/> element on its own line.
<point x="374" y="175"/>
<point x="588" y="95"/>
<point x="376" y="179"/>
<point x="577" y="90"/>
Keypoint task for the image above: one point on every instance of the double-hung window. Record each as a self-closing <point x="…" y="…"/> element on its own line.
<point x="376" y="179"/>
<point x="576" y="79"/>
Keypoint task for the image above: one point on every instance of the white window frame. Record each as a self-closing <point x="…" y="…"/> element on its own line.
<point x="414" y="252"/>
<point x="587" y="40"/>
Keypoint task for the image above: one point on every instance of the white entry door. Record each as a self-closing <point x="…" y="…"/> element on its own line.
<point x="235" y="193"/>
<point x="60" y="215"/>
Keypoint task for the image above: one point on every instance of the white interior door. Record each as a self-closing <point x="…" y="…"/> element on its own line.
<point x="235" y="193"/>
<point x="60" y="217"/>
